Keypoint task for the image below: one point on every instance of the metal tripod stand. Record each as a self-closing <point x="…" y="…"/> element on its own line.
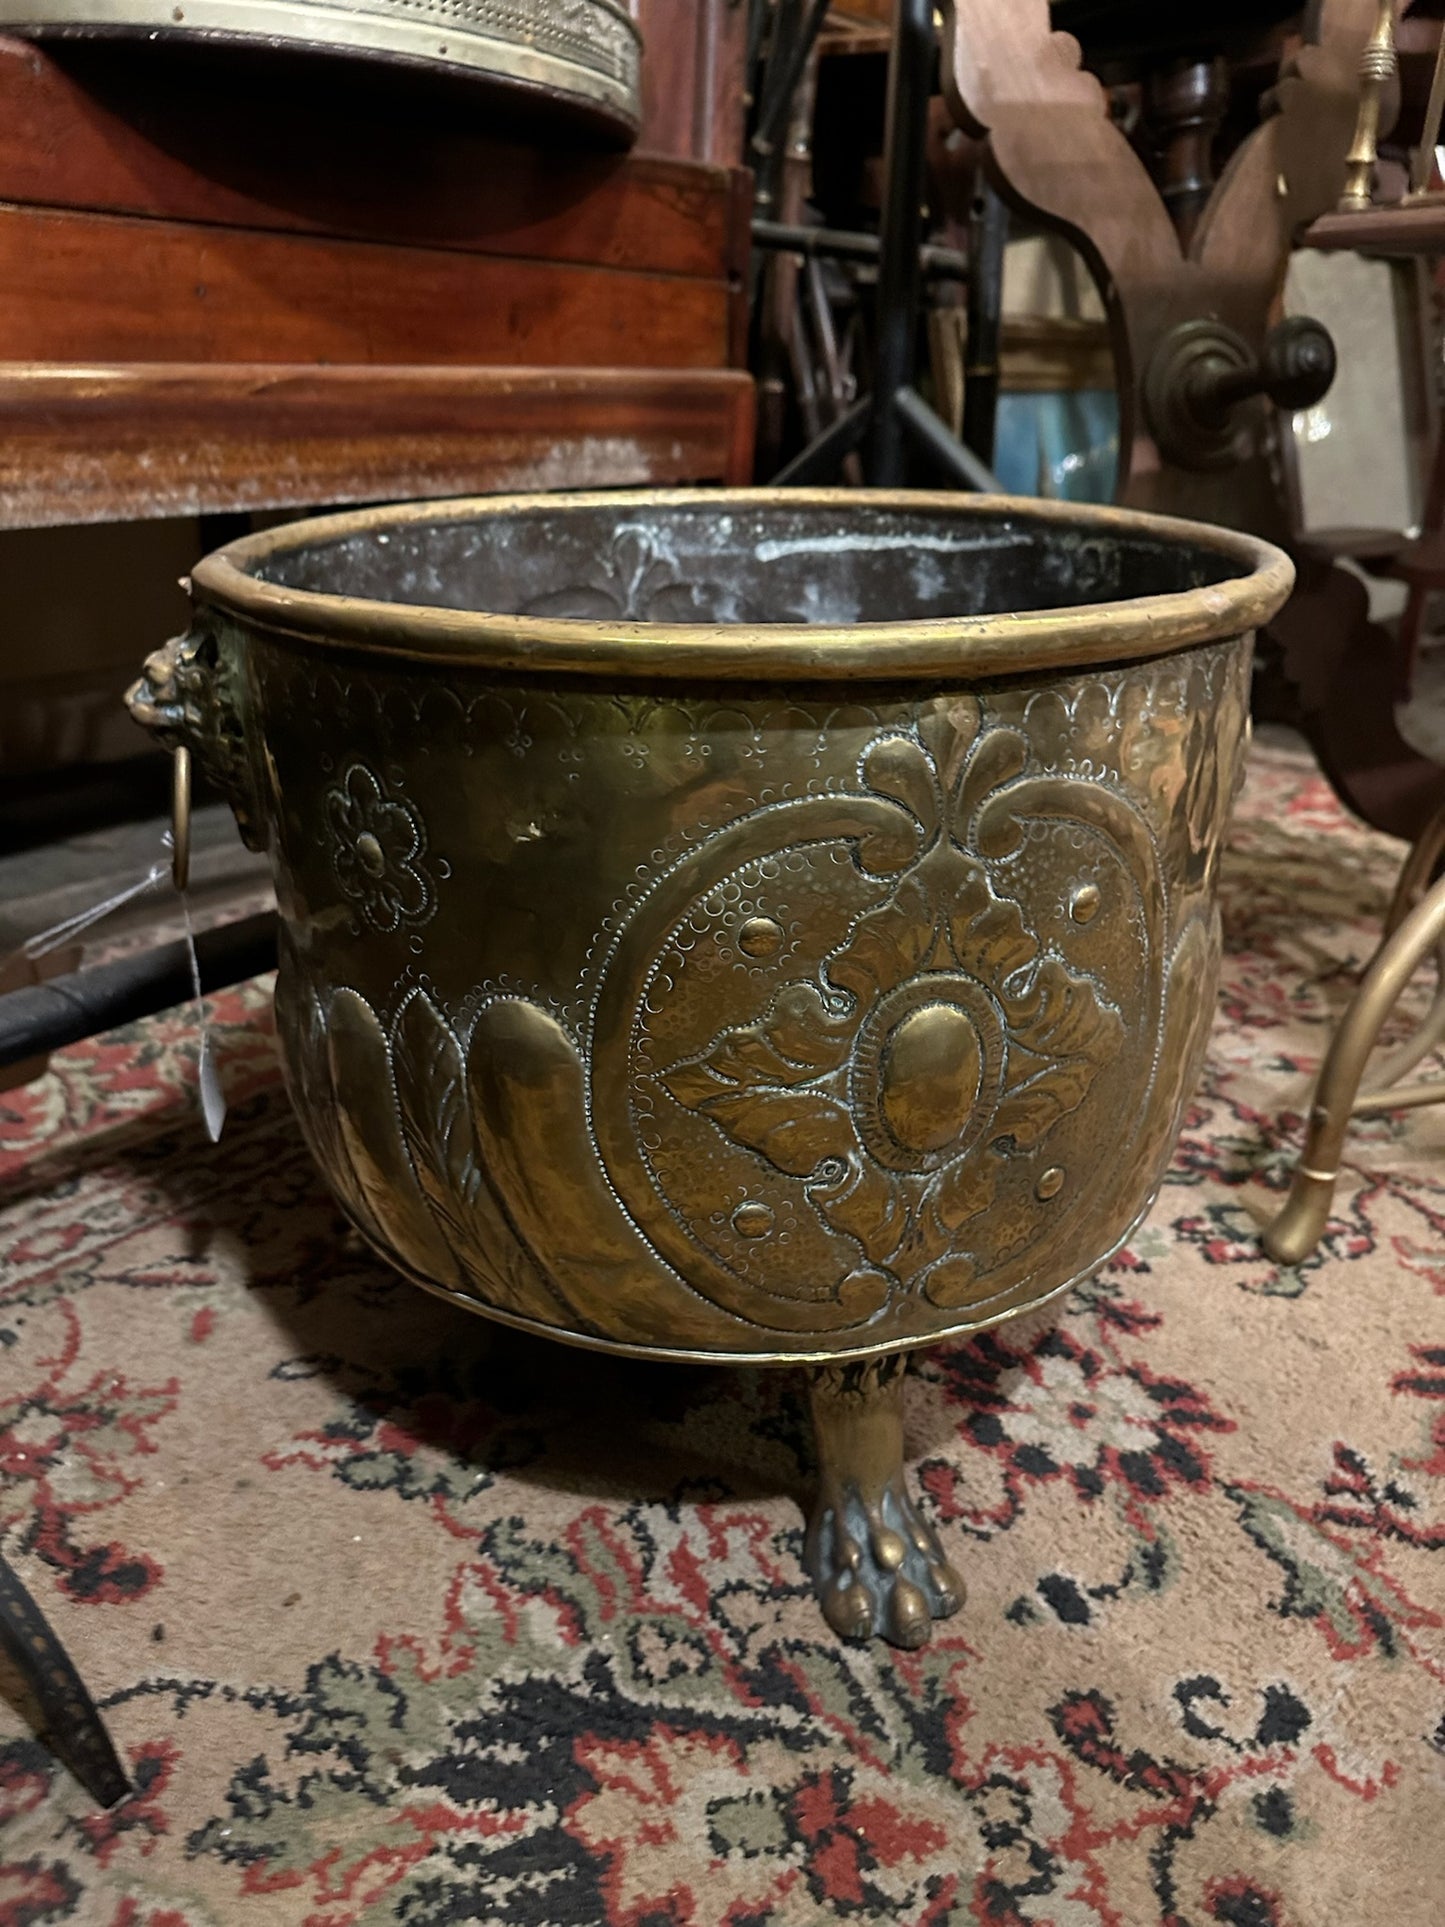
<point x="893" y="421"/>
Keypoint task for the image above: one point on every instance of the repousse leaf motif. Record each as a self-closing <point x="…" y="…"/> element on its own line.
<point x="795" y="1040"/>
<point x="988" y="934"/>
<point x="999" y="758"/>
<point x="954" y="1280"/>
<point x="866" y="1204"/>
<point x="889" y="944"/>
<point x="371" y="1133"/>
<point x="1059" y="1023"/>
<point x="959" y="1193"/>
<point x="795" y="1130"/>
<point x="435" y="1119"/>
<point x="786" y="1086"/>
<point x="898" y="768"/>
<point x="302" y="1025"/>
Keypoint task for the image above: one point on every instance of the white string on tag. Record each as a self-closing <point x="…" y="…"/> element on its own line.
<point x="208" y="1078"/>
<point x="213" y="1098"/>
<point x="59" y="934"/>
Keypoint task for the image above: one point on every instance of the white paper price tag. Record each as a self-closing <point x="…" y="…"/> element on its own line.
<point x="213" y="1098"/>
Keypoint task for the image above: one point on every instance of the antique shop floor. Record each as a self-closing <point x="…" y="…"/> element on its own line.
<point x="397" y="1617"/>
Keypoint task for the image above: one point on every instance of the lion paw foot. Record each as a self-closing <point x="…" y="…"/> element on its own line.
<point x="879" y="1568"/>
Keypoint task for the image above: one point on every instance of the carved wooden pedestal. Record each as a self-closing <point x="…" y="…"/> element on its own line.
<point x="1056" y="153"/>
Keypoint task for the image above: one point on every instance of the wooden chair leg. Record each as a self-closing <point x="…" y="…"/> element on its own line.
<point x="1299" y="1226"/>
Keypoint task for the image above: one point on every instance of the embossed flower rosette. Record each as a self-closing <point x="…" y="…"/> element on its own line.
<point x="377" y="841"/>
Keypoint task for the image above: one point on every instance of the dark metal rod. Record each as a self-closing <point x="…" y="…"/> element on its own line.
<point x="910" y="79"/>
<point x="757" y="20"/>
<point x="846" y="244"/>
<point x="985" y="311"/>
<point x="935" y="439"/>
<point x="804" y="382"/>
<point x="821" y="314"/>
<point x="778" y="97"/>
<point x="48" y="1016"/>
<point x="767" y="158"/>
<point x="72" y="1723"/>
<point x="780" y="20"/>
<point x="1422" y="160"/>
<point x="819" y="459"/>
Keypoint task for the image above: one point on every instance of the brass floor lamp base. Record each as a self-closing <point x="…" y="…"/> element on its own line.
<point x="1414" y="927"/>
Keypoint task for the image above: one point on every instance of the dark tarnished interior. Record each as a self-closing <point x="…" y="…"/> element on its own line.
<point x="744" y="563"/>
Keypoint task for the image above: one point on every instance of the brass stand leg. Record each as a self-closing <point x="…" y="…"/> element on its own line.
<point x="1376" y="1091"/>
<point x="877" y="1566"/>
<point x="1421" y="862"/>
<point x="1298" y="1228"/>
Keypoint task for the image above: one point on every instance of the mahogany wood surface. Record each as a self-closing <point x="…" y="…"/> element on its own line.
<point x="693" y="83"/>
<point x="231" y="281"/>
<point x="321" y="212"/>
<point x="1402" y="232"/>
<point x="108" y="444"/>
<point x="97" y="287"/>
<point x="240" y="144"/>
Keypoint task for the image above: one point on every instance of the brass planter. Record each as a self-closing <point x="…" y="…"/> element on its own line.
<point x="781" y="929"/>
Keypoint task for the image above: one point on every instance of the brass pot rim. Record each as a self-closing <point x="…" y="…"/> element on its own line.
<point x="964" y="648"/>
<point x="454" y="40"/>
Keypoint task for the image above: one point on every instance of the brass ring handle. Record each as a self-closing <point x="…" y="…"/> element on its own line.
<point x="181" y="817"/>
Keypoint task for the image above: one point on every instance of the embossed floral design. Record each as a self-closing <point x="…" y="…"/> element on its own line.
<point x="635" y="580"/>
<point x="938" y="1040"/>
<point x="376" y="846"/>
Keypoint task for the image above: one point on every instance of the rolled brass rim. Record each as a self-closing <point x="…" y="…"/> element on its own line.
<point x="591" y="62"/>
<point x="968" y="647"/>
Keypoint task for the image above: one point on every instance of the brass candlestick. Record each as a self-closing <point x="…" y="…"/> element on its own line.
<point x="1377" y="65"/>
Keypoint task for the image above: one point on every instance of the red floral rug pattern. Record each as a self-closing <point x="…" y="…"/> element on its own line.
<point x="399" y="1617"/>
